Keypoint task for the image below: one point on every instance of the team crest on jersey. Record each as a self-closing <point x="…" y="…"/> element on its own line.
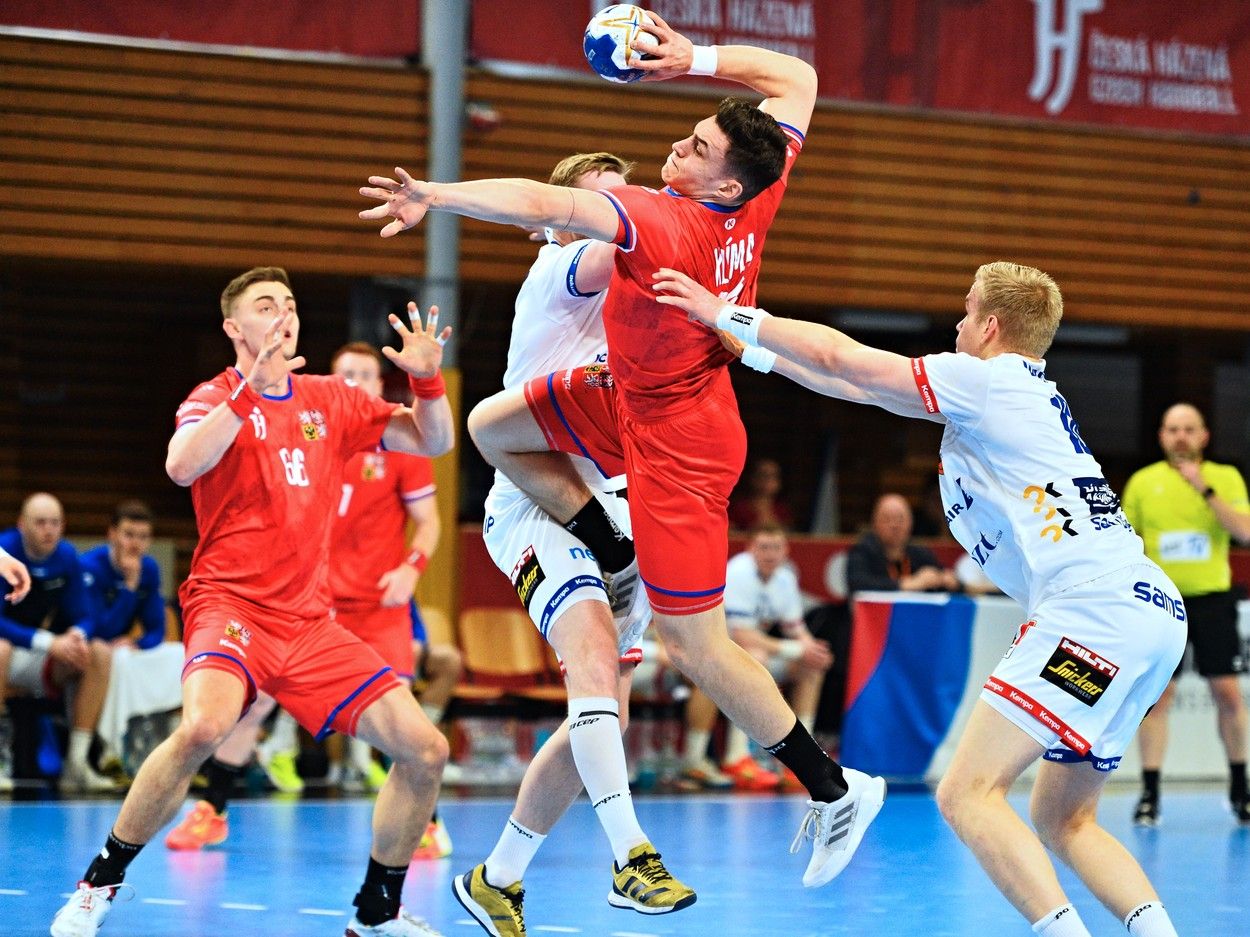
<point x="1079" y="672"/>
<point x="237" y="632"/>
<point x="598" y="375"/>
<point x="313" y="425"/>
<point x="373" y="468"/>
<point x="527" y="576"/>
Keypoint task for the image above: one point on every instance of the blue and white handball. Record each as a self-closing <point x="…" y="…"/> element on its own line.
<point x="613" y="35"/>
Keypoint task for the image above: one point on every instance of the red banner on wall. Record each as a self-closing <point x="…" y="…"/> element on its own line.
<point x="1143" y="63"/>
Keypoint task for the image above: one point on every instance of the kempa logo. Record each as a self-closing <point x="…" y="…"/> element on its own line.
<point x="1064" y="45"/>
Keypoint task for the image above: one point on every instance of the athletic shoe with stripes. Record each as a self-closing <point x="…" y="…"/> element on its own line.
<point x="497" y="910"/>
<point x="86" y="909"/>
<point x="837" y="829"/>
<point x="646" y="886"/>
<point x="631" y="609"/>
<point x="1146" y="813"/>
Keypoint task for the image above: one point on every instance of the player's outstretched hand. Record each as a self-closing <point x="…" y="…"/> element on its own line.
<point x="423" y="344"/>
<point x="272" y="367"/>
<point x="670" y="59"/>
<point x="677" y="289"/>
<point x="405" y="201"/>
<point x="17" y="576"/>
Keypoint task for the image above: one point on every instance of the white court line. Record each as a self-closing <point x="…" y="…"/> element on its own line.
<point x="557" y="929"/>
<point x="173" y="902"/>
<point x="324" y="912"/>
<point x="12" y="891"/>
<point x="233" y="906"/>
<point x="630" y="933"/>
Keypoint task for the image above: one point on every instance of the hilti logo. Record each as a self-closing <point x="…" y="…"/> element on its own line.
<point x="1085" y="654"/>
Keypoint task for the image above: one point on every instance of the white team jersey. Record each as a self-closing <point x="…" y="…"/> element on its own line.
<point x="750" y="602"/>
<point x="1023" y="495"/>
<point x="556" y="327"/>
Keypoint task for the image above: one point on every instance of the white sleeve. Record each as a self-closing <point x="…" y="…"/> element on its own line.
<point x="557" y="278"/>
<point x="792" y="606"/>
<point x="953" y="384"/>
<point x="741" y="593"/>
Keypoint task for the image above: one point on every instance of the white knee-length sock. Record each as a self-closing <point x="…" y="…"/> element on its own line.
<point x="595" y="737"/>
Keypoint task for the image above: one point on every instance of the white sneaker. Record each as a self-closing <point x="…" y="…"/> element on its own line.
<point x="403" y="926"/>
<point x="631" y="608"/>
<point x="83" y="779"/>
<point x="86" y="909"/>
<point x="837" y="829"/>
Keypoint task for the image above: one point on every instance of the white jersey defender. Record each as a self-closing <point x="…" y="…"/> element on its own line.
<point x="555" y="327"/>
<point x="1028" y="501"/>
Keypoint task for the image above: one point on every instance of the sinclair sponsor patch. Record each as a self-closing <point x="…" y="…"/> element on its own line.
<point x="1079" y="672"/>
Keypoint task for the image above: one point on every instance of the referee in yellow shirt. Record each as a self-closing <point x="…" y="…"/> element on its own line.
<point x="1187" y="510"/>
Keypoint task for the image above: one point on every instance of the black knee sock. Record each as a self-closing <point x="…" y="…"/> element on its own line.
<point x="221" y="779"/>
<point x="820" y="774"/>
<point x="1237" y="781"/>
<point x="109" y="867"/>
<point x="378" y="898"/>
<point x="592" y="526"/>
<point x="1150" y="783"/>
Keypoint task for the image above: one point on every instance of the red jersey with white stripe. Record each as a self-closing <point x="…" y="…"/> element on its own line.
<point x="661" y="361"/>
<point x="368" y="535"/>
<point x="264" y="511"/>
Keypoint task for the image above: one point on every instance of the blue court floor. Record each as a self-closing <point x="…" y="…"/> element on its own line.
<point x="291" y="868"/>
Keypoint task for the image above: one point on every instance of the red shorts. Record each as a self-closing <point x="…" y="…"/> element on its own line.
<point x="387" y="630"/>
<point x="317" y="671"/>
<point x="680" y="470"/>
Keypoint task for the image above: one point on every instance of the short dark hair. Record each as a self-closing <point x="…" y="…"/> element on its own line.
<point x="757" y="145"/>
<point x="131" y="510"/>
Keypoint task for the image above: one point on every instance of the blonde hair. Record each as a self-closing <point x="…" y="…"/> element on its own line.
<point x="234" y="289"/>
<point x="572" y="168"/>
<point x="1026" y="301"/>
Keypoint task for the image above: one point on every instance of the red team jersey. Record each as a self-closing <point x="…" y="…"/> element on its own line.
<point x="264" y="511"/>
<point x="368" y="535"/>
<point x="662" y="362"/>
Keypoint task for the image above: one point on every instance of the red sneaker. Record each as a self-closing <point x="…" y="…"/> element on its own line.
<point x="435" y="842"/>
<point x="203" y="826"/>
<point x="748" y="775"/>
<point x="790" y="781"/>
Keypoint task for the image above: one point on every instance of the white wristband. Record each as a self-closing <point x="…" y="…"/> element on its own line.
<point x="704" y="61"/>
<point x="742" y="322"/>
<point x="41" y="640"/>
<point x="790" y="649"/>
<point x="761" y="359"/>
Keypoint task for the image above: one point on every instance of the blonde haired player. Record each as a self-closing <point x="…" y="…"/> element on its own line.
<point x="1028" y="501"/>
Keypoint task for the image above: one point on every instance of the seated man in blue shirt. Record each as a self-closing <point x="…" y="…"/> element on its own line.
<point x="47" y="637"/>
<point x="123" y="588"/>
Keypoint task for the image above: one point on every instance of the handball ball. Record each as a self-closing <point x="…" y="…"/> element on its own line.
<point x="613" y="35"/>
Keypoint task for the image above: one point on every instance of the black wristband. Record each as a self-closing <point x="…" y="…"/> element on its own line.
<point x="1208" y="494"/>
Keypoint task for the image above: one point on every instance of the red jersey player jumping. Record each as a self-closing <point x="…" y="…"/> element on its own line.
<point x="263" y="450"/>
<point x="666" y="414"/>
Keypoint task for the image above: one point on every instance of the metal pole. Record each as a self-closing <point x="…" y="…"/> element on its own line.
<point x="444" y="50"/>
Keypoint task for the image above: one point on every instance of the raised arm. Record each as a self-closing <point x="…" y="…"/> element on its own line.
<point x="427" y="428"/>
<point x="823" y="359"/>
<point x="521" y="202"/>
<point x="788" y="84"/>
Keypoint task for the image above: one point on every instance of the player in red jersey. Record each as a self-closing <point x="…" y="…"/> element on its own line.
<point x="666" y="413"/>
<point x="263" y="450"/>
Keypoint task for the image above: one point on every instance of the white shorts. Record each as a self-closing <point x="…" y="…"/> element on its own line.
<point x="550" y="569"/>
<point x="1089" y="663"/>
<point x="31" y="671"/>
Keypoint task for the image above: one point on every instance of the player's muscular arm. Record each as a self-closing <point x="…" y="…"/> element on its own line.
<point x="787" y="83"/>
<point x="504" y="201"/>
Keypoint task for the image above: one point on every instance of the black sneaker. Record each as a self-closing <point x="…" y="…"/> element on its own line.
<point x="1241" y="810"/>
<point x="1147" y="812"/>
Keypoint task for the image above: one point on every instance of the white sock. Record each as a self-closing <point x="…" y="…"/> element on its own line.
<point x="360" y="753"/>
<point x="79" y="744"/>
<point x="284" y="737"/>
<point x="595" y="737"/>
<point x="736" y="745"/>
<point x="1149" y="920"/>
<point x="1061" y="922"/>
<point x="512" y="854"/>
<point x="696" y="745"/>
<point x="435" y="713"/>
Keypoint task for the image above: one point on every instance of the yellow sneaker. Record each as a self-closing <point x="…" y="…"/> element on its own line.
<point x="498" y="910"/>
<point x="280" y="769"/>
<point x="435" y="842"/>
<point x="645" y="886"/>
<point x="375" y="776"/>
